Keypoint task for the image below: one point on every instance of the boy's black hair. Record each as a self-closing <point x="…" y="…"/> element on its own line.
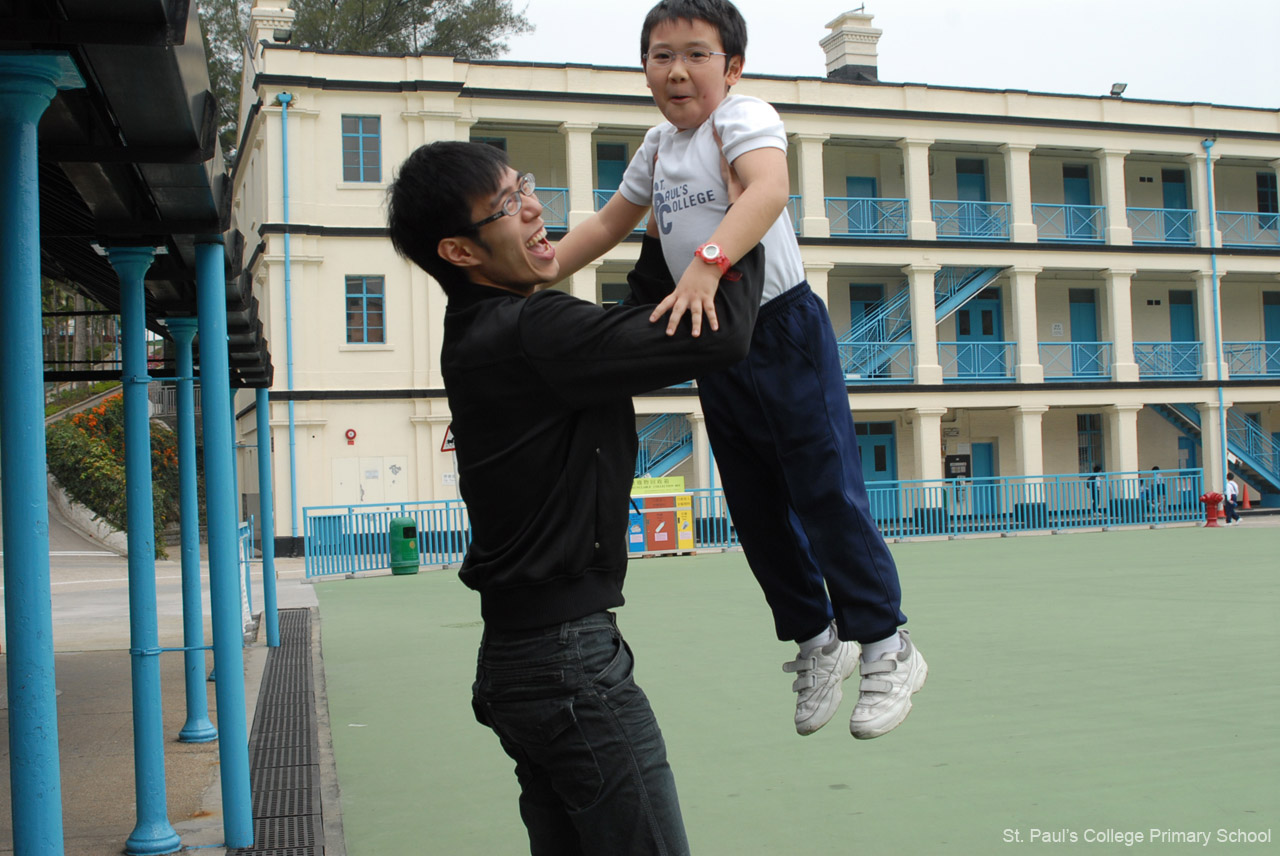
<point x="431" y="200"/>
<point x="721" y="14"/>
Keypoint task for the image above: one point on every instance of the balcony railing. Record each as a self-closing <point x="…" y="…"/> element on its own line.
<point x="1068" y="361"/>
<point x="1252" y="359"/>
<point x="976" y="361"/>
<point x="602" y="196"/>
<point x="555" y="206"/>
<point x="1163" y="225"/>
<point x="958" y="220"/>
<point x="865" y="217"/>
<point x="796" y="211"/>
<point x="1249" y="229"/>
<point x="877" y="362"/>
<point x="1167" y="359"/>
<point x="1075" y="223"/>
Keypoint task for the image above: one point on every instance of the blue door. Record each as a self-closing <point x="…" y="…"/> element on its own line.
<point x="979" y="334"/>
<point x="1177" y="226"/>
<point x="985" y="493"/>
<point x="1076" y="190"/>
<point x="971" y="187"/>
<point x="1085" y="356"/>
<point x="1187" y="454"/>
<point x="611" y="163"/>
<point x="861" y="190"/>
<point x="1182" y="316"/>
<point x="878" y="450"/>
<point x="1271" y="331"/>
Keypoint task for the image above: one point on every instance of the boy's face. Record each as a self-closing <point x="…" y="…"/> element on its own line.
<point x="688" y="94"/>
<point x="510" y="252"/>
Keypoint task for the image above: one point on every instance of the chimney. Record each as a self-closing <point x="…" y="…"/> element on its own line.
<point x="851" y="47"/>
<point x="270" y="21"/>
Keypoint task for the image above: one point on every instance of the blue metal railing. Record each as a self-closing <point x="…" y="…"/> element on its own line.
<point x="794" y="208"/>
<point x="1168" y="359"/>
<point x="244" y="549"/>
<point x="1066" y="361"/>
<point x="555" y="206"/>
<point x="1249" y="229"/>
<point x="1163" y="225"/>
<point x="664" y="442"/>
<point x="343" y="539"/>
<point x="600" y="197"/>
<point x="961" y="220"/>
<point x="953" y="287"/>
<point x="880" y="362"/>
<point x="977" y="361"/>
<point x="1252" y="359"/>
<point x="1250" y="443"/>
<point x="865" y="217"/>
<point x="1075" y="223"/>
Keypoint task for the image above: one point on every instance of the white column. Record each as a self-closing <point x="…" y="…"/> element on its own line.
<point x="1111" y="179"/>
<point x="582" y="284"/>
<point x="1122" y="436"/>
<point x="1119" y="302"/>
<point x="701" y="451"/>
<point x="1022" y="282"/>
<point x="924" y="322"/>
<point x="1200" y="198"/>
<point x="1028" y="439"/>
<point x="1211" y="442"/>
<point x="1017" y="171"/>
<point x="928" y="440"/>
<point x="578" y="162"/>
<point x="816" y="273"/>
<point x="915" y="169"/>
<point x="1210" y="368"/>
<point x="813" y="196"/>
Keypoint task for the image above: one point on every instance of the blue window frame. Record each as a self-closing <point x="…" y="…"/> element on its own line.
<point x="1267" y="197"/>
<point x="1089" y="440"/>
<point x="366" y="314"/>
<point x="361" y="148"/>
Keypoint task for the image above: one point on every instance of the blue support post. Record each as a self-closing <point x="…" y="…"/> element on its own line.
<point x="152" y="833"/>
<point x="198" y="728"/>
<point x="285" y="98"/>
<point x="266" y="516"/>
<point x="28" y="84"/>
<point x="224" y="577"/>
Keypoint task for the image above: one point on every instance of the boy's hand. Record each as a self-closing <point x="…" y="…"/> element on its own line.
<point x="696" y="294"/>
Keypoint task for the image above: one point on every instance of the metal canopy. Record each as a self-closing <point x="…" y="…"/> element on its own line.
<point x="133" y="158"/>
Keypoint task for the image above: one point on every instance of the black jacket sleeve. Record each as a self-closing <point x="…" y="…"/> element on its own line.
<point x="650" y="279"/>
<point x="587" y="354"/>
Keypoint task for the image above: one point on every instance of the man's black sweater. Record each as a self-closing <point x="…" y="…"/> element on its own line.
<point x="540" y="391"/>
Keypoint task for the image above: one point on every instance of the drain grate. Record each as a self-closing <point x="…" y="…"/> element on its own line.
<point x="284" y="775"/>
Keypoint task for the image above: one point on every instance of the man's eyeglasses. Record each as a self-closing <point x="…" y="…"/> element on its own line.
<point x="695" y="56"/>
<point x="525" y="186"/>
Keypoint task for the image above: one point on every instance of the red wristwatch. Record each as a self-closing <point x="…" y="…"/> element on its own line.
<point x="713" y="255"/>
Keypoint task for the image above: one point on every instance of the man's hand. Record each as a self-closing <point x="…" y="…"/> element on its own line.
<point x="695" y="294"/>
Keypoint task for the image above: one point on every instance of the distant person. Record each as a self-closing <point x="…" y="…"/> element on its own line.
<point x="1231" y="501"/>
<point x="1154" y="492"/>
<point x="540" y="390"/>
<point x="779" y="421"/>
<point x="1095" y="489"/>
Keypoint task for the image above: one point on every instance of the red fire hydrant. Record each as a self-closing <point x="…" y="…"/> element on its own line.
<point x="1211" y="501"/>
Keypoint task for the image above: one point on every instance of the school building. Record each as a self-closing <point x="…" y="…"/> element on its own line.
<point x="1022" y="283"/>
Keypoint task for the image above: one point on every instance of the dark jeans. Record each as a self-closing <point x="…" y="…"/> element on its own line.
<point x="589" y="755"/>
<point x="1229" y="510"/>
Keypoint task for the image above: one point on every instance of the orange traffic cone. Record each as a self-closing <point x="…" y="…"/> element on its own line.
<point x="1244" y="495"/>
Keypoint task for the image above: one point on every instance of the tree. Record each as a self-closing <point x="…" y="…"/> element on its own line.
<point x="474" y="29"/>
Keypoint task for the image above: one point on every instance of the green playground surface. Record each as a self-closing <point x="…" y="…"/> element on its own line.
<point x="1096" y="685"/>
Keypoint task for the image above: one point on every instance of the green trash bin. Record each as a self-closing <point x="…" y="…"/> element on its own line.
<point x="403" y="539"/>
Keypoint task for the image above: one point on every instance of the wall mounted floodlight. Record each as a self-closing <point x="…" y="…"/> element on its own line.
<point x="1117" y="89"/>
<point x="282" y="36"/>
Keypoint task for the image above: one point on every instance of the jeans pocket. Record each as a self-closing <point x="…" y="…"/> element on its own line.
<point x="547" y="732"/>
<point x="615" y="680"/>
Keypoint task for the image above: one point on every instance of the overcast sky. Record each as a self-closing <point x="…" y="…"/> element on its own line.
<point x="1223" y="51"/>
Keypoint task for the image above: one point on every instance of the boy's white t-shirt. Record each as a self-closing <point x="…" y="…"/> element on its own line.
<point x="688" y="193"/>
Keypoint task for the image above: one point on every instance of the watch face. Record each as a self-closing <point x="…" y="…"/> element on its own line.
<point x="711" y="252"/>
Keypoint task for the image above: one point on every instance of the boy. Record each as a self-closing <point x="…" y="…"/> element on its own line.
<point x="779" y="422"/>
<point x="539" y="389"/>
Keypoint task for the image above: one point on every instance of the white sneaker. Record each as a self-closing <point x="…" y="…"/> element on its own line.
<point x="884" y="696"/>
<point x="818" y="679"/>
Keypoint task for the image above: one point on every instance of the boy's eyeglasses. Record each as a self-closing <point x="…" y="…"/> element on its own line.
<point x="525" y="186"/>
<point x="663" y="57"/>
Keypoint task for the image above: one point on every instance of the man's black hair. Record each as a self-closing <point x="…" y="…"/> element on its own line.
<point x="431" y="200"/>
<point x="721" y="14"/>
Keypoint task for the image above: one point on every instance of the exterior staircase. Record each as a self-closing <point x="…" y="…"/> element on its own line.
<point x="1257" y="455"/>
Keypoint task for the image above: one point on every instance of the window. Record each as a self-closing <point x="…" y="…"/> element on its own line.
<point x="613" y="293"/>
<point x="1267" y="201"/>
<point x="1089" y="441"/>
<point x="361" y="148"/>
<point x="365" y="325"/>
<point x="499" y="143"/>
<point x="611" y="163"/>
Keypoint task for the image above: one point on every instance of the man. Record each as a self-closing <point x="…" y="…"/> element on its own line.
<point x="539" y="387"/>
